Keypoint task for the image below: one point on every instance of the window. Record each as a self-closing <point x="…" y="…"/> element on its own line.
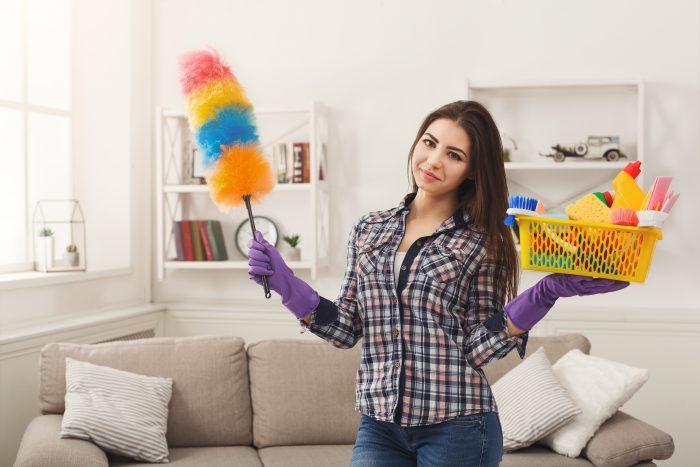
<point x="35" y="118"/>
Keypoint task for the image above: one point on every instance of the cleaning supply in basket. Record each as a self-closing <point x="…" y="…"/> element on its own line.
<point x="589" y="209"/>
<point x="627" y="192"/>
<point x="624" y="216"/>
<point x="523" y="205"/>
<point x="604" y="197"/>
<point x="650" y="218"/>
<point x="670" y="201"/>
<point x="657" y="193"/>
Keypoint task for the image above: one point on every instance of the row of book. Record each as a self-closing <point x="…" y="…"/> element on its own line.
<point x="291" y="163"/>
<point x="199" y="240"/>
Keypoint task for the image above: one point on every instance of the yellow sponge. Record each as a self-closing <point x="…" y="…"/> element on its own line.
<point x="589" y="209"/>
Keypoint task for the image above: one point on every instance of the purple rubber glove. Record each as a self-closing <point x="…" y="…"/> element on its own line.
<point x="525" y="310"/>
<point x="265" y="260"/>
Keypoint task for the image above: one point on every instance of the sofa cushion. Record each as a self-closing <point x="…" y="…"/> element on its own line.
<point x="599" y="387"/>
<point x="531" y="402"/>
<point x="210" y="405"/>
<point x="624" y="440"/>
<point x="225" y="456"/>
<point x="42" y="446"/>
<point x="329" y="455"/>
<point x="303" y="392"/>
<point x="541" y="457"/>
<point x="120" y="411"/>
<point x="554" y="346"/>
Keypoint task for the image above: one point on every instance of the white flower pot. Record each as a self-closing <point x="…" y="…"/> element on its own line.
<point x="71" y="258"/>
<point x="294" y="254"/>
<point x="44" y="254"/>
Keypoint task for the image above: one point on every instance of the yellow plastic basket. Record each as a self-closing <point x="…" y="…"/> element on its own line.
<point x="587" y="249"/>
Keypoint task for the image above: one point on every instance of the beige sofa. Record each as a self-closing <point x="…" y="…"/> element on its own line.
<point x="277" y="403"/>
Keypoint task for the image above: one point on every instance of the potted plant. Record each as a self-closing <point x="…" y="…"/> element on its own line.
<point x="44" y="253"/>
<point x="293" y="252"/>
<point x="71" y="256"/>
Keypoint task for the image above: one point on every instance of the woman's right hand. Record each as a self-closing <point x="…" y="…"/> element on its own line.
<point x="264" y="260"/>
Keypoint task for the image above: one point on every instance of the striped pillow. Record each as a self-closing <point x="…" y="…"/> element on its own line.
<point x="121" y="412"/>
<point x="531" y="402"/>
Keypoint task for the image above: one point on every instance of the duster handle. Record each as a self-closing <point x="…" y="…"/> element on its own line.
<point x="246" y="198"/>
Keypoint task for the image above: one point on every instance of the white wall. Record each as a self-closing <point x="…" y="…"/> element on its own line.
<point x="381" y="66"/>
<point x="111" y="144"/>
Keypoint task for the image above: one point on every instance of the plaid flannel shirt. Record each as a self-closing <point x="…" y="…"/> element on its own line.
<point x="425" y="341"/>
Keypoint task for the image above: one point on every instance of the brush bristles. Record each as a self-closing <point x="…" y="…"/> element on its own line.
<point x="241" y="170"/>
<point x="520" y="202"/>
<point x="624" y="216"/>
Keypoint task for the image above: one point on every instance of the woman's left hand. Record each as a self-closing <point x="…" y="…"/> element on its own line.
<point x="525" y="310"/>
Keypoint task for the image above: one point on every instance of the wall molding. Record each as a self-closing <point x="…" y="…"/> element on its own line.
<point x="83" y="328"/>
<point x="625" y="321"/>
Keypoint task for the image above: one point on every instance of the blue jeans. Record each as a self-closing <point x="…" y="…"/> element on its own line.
<point x="468" y="440"/>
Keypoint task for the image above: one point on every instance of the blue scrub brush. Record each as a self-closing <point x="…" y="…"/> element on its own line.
<point x="523" y="205"/>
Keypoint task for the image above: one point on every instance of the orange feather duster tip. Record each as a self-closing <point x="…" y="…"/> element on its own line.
<point x="241" y="170"/>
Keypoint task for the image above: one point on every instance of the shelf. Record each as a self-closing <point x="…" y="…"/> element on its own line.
<point x="175" y="200"/>
<point x="205" y="188"/>
<point x="225" y="264"/>
<point x="567" y="165"/>
<point x="261" y="110"/>
<point x="534" y="114"/>
<point x="534" y="84"/>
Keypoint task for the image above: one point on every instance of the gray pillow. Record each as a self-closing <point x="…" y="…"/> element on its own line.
<point x="119" y="411"/>
<point x="531" y="402"/>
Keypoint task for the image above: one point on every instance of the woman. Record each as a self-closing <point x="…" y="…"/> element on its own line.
<point x="426" y="285"/>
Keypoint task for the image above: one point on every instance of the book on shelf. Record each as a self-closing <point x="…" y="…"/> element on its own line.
<point x="187" y="240"/>
<point x="305" y="163"/>
<point x="297" y="174"/>
<point x="322" y="163"/>
<point x="290" y="162"/>
<point x="196" y="241"/>
<point x="206" y="243"/>
<point x="199" y="240"/>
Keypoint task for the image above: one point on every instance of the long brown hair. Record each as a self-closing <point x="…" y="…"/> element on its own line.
<point x="485" y="193"/>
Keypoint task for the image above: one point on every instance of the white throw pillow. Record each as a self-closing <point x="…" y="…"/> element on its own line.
<point x="599" y="387"/>
<point x="121" y="412"/>
<point x="531" y="402"/>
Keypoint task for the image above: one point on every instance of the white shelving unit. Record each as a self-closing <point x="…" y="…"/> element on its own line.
<point x="298" y="207"/>
<point x="538" y="115"/>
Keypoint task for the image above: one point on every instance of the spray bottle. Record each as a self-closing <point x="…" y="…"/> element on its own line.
<point x="627" y="192"/>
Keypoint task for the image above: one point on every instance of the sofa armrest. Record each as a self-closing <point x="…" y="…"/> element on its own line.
<point x="42" y="446"/>
<point x="624" y="440"/>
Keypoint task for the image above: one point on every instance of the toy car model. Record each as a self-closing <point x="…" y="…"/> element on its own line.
<point x="595" y="147"/>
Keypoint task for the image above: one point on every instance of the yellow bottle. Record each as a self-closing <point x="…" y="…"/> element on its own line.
<point x="627" y="192"/>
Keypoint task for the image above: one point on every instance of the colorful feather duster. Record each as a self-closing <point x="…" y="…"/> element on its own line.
<point x="222" y="121"/>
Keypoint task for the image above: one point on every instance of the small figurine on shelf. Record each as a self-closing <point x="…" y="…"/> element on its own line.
<point x="595" y="147"/>
<point x="293" y="252"/>
<point x="71" y="256"/>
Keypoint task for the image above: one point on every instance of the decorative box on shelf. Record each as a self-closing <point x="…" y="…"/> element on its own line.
<point x="59" y="236"/>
